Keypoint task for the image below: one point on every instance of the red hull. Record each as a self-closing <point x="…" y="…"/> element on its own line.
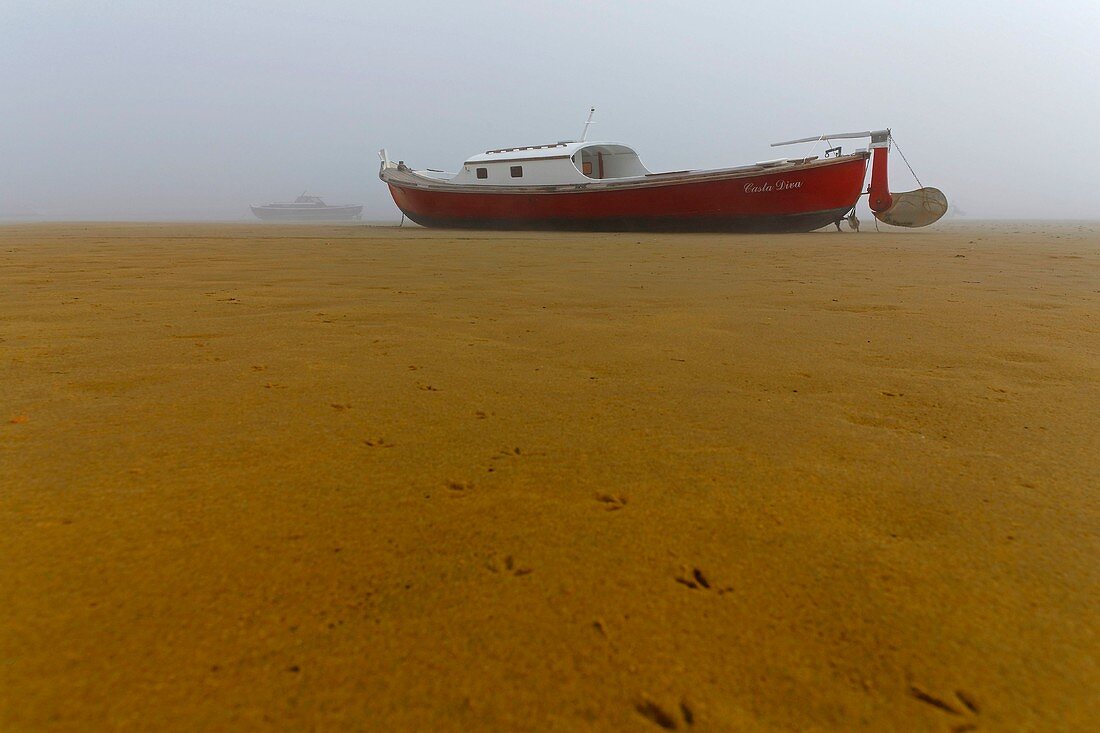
<point x="801" y="197"/>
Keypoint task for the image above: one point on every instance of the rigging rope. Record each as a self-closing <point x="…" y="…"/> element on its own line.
<point x="906" y="161"/>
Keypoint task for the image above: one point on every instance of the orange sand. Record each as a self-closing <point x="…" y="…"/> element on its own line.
<point x="351" y="478"/>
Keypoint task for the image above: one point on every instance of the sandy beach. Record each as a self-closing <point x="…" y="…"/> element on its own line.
<point x="364" y="478"/>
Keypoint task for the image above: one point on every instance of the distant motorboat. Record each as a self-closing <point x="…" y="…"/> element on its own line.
<point x="307" y="208"/>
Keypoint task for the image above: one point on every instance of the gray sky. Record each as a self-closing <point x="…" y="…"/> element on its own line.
<point x="196" y="109"/>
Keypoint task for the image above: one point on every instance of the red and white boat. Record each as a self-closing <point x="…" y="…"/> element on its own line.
<point x="603" y="186"/>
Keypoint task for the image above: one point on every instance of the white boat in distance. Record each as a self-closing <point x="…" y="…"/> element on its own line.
<point x="307" y="208"/>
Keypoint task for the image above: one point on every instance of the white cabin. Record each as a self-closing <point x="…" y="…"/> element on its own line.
<point x="553" y="164"/>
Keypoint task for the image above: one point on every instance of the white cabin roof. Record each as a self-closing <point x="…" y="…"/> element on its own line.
<point x="551" y="150"/>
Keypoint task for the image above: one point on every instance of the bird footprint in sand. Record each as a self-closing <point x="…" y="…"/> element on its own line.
<point x="510" y="566"/>
<point x="967" y="707"/>
<point x="696" y="580"/>
<point x="654" y="713"/>
<point x="611" y="502"/>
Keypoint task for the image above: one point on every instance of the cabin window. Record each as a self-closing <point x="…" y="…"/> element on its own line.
<point x="482" y="172"/>
<point x="517" y="171"/>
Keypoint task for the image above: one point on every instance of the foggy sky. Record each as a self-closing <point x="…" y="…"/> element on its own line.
<point x="193" y="110"/>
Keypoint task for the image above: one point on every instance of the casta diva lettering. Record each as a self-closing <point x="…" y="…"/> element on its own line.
<point x="780" y="185"/>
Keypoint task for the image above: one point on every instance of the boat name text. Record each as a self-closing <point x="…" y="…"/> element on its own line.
<point x="780" y="185"/>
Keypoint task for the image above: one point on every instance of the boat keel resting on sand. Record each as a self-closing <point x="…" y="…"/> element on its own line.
<point x="603" y="186"/>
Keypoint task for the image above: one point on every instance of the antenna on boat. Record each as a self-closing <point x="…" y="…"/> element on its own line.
<point x="587" y="123"/>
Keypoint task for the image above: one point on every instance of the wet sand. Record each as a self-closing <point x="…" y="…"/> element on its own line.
<point x="351" y="478"/>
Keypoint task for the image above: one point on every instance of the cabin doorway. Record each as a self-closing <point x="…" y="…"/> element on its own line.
<point x="592" y="164"/>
